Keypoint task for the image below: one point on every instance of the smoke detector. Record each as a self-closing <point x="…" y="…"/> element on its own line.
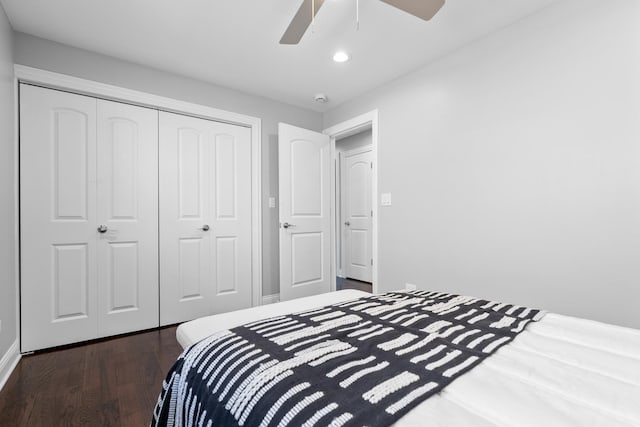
<point x="321" y="98"/>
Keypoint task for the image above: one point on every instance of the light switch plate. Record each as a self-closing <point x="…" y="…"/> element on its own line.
<point x="385" y="199"/>
<point x="272" y="202"/>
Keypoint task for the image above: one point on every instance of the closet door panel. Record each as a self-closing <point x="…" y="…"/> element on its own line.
<point x="127" y="161"/>
<point x="191" y="261"/>
<point x="231" y="199"/>
<point x="122" y="279"/>
<point x="205" y="217"/>
<point x="57" y="223"/>
<point x="190" y="154"/>
<point x="185" y="253"/>
<point x="70" y="282"/>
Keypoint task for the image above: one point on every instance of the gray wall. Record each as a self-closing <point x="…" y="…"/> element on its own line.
<point x="514" y="165"/>
<point x="48" y="55"/>
<point x="7" y="182"/>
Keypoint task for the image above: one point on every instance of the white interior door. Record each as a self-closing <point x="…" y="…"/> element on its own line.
<point x="305" y="222"/>
<point x="230" y="208"/>
<point x="205" y="217"/>
<point x="58" y="218"/>
<point x="356" y="208"/>
<point x="128" y="209"/>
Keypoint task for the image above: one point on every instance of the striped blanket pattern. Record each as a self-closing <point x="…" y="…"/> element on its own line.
<point x="362" y="362"/>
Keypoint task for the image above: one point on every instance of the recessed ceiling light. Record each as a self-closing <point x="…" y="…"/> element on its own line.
<point x="340" y="56"/>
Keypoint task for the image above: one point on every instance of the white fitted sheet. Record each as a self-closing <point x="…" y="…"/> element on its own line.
<point x="560" y="371"/>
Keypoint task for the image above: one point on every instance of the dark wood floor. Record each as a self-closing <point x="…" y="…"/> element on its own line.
<point x="113" y="382"/>
<point x="346" y="283"/>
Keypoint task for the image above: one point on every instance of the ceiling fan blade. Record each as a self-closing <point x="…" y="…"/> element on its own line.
<point x="424" y="9"/>
<point x="300" y="22"/>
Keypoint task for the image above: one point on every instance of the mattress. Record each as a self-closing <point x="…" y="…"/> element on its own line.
<point x="560" y="371"/>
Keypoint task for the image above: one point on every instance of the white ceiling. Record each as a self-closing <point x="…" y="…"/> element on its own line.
<point x="234" y="43"/>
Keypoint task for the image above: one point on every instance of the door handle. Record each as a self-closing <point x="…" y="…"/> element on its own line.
<point x="287" y="225"/>
<point x="204" y="228"/>
<point x="347" y="223"/>
<point x="102" y="229"/>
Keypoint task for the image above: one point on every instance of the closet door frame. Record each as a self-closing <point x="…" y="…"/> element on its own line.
<point x="48" y="79"/>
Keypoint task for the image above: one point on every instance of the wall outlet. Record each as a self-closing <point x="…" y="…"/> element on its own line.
<point x="410" y="287"/>
<point x="385" y="199"/>
<point x="272" y="202"/>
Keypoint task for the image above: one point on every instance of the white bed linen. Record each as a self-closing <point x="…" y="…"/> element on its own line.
<point x="561" y="371"/>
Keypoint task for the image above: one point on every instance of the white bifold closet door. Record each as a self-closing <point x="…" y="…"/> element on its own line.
<point x="205" y="217"/>
<point x="128" y="207"/>
<point x="88" y="227"/>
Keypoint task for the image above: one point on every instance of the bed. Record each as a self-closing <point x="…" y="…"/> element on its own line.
<point x="558" y="371"/>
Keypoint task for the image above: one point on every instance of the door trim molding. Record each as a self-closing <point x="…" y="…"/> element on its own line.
<point x="341" y="130"/>
<point x="16" y="209"/>
<point x="39" y="77"/>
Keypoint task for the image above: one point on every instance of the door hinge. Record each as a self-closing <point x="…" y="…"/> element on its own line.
<point x="371" y="261"/>
<point x="371" y="163"/>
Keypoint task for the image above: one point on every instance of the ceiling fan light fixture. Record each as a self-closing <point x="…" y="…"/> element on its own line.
<point x="424" y="9"/>
<point x="341" y="56"/>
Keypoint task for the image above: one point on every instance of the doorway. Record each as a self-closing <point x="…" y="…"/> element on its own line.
<point x="354" y="211"/>
<point x="351" y="139"/>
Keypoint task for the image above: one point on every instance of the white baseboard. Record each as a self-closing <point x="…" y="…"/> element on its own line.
<point x="8" y="363"/>
<point x="270" y="299"/>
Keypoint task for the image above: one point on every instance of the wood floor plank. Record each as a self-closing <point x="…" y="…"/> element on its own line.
<point x="112" y="382"/>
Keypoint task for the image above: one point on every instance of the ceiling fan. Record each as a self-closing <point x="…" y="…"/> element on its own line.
<point x="424" y="9"/>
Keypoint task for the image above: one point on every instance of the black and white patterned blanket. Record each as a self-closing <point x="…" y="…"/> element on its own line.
<point x="362" y="362"/>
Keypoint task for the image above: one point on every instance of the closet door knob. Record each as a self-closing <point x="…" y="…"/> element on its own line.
<point x="205" y="228"/>
<point x="102" y="229"/>
<point x="287" y="225"/>
<point x="347" y="223"/>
